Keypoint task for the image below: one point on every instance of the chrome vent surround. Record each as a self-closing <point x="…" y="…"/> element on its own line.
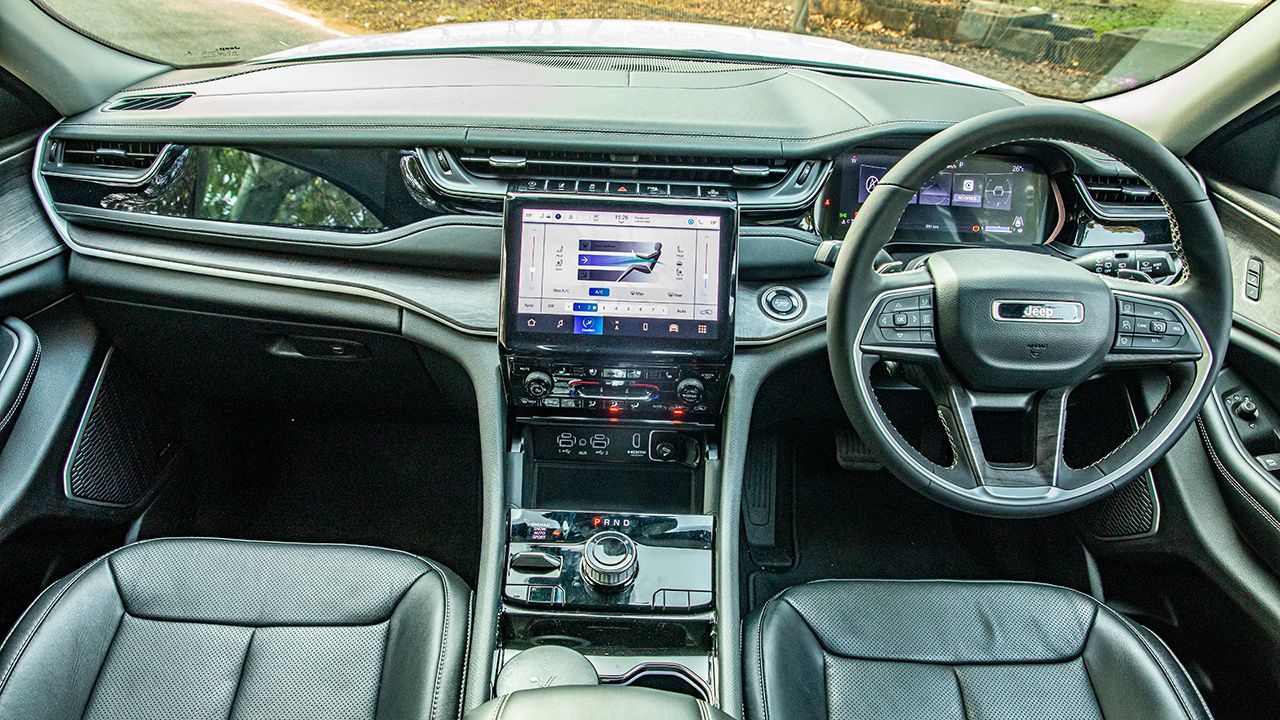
<point x="760" y="182"/>
<point x="148" y="102"/>
<point x="1119" y="197"/>
<point x="111" y="162"/>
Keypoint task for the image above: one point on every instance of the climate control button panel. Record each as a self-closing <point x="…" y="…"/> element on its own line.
<point x="624" y="390"/>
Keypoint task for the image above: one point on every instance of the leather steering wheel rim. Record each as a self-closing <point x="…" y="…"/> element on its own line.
<point x="1201" y="296"/>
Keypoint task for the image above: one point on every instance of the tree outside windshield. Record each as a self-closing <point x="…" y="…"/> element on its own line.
<point x="1073" y="49"/>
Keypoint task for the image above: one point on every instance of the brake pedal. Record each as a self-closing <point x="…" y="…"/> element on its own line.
<point x="853" y="454"/>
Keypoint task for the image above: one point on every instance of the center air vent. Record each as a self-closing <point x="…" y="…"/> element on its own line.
<point x="113" y="162"/>
<point x="509" y="165"/>
<point x="759" y="181"/>
<point x="1114" y="196"/>
<point x="149" y="102"/>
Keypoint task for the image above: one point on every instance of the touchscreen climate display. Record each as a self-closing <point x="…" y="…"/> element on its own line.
<point x="620" y="273"/>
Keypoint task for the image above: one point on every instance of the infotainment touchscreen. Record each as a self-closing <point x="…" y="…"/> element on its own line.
<point x="606" y="273"/>
<point x="601" y="270"/>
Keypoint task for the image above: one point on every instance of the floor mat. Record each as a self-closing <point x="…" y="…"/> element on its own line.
<point x="870" y="525"/>
<point x="408" y="486"/>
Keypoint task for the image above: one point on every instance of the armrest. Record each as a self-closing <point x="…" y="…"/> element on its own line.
<point x="585" y="701"/>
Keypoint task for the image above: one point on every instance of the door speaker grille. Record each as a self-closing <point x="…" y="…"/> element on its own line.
<point x="126" y="439"/>
<point x="1130" y="512"/>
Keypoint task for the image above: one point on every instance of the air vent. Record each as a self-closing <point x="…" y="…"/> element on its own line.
<point x="113" y="162"/>
<point x="762" y="183"/>
<point x="149" y="102"/>
<point x="516" y="165"/>
<point x="1112" y="196"/>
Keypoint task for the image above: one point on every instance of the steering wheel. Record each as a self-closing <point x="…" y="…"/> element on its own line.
<point x="987" y="329"/>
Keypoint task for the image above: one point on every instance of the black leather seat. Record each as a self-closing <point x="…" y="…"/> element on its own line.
<point x="202" y="628"/>
<point x="903" y="650"/>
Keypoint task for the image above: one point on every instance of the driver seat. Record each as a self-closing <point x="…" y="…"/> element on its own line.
<point x="935" y="650"/>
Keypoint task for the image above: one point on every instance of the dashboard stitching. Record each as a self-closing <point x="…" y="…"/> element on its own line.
<point x="928" y="124"/>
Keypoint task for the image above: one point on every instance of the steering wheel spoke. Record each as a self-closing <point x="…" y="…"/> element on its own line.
<point x="1030" y="427"/>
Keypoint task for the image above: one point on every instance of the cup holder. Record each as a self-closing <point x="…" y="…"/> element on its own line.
<point x="663" y="676"/>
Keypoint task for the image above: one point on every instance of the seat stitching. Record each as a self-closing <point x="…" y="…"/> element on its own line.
<point x="1248" y="496"/>
<point x="444" y="637"/>
<point x="964" y="706"/>
<point x="1151" y="652"/>
<point x="115" y="634"/>
<point x="764" y="614"/>
<point x="1203" y="705"/>
<point x="4" y="681"/>
<point x="466" y="654"/>
<point x="244" y="662"/>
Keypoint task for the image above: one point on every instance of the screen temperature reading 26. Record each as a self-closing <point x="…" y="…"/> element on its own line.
<point x="597" y="272"/>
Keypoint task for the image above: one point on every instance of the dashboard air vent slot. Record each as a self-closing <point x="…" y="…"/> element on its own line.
<point x="1120" y="190"/>
<point x="1119" y="196"/>
<point x="109" y="154"/>
<point x="109" y="162"/>
<point x="149" y="102"/>
<point x="577" y="165"/>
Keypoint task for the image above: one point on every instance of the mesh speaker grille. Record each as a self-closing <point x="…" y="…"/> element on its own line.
<point x="1129" y="512"/>
<point x="124" y="442"/>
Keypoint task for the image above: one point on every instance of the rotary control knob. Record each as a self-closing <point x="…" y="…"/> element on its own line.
<point x="691" y="391"/>
<point x="609" y="561"/>
<point x="538" y="384"/>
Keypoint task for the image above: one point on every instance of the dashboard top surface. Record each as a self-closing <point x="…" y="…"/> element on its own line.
<point x="733" y="106"/>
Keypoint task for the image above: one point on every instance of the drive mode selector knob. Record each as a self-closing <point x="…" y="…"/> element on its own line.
<point x="609" y="561"/>
<point x="538" y="384"/>
<point x="691" y="391"/>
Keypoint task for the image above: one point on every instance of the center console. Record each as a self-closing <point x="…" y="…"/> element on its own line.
<point x="616" y="342"/>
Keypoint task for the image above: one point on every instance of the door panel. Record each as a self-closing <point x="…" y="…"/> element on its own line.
<point x="49" y="353"/>
<point x="1240" y="425"/>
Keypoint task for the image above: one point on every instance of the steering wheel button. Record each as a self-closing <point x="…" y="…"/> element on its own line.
<point x="902" y="304"/>
<point x="901" y="319"/>
<point x="1124" y="341"/>
<point x="1154" y="312"/>
<point x="1174" y="328"/>
<point x="1143" y="326"/>
<point x="1126" y="307"/>
<point x="1159" y="327"/>
<point x="924" y="302"/>
<point x="1126" y="324"/>
<point x="902" y="336"/>
<point x="926" y="335"/>
<point x="1155" y="342"/>
<point x="926" y="318"/>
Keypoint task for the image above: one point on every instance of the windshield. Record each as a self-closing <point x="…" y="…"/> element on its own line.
<point x="1073" y="49"/>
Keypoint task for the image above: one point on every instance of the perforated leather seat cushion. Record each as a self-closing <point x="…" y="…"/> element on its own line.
<point x="204" y="628"/>
<point x="901" y="650"/>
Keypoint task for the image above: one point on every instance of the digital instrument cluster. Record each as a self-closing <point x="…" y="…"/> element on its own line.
<point x="982" y="198"/>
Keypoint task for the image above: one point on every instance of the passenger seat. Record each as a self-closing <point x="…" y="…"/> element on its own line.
<point x="207" y="628"/>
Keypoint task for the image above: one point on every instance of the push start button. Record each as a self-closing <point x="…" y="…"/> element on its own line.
<point x="782" y="303"/>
